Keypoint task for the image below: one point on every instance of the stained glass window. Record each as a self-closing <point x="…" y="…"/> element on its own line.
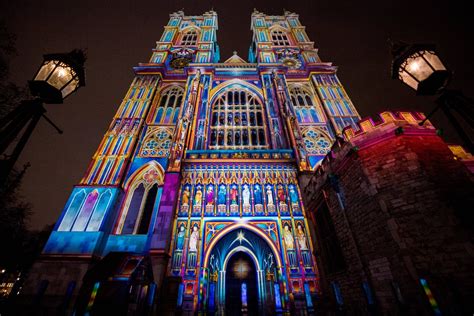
<point x="303" y="101"/>
<point x="279" y="38"/>
<point x="237" y="121"/>
<point x="189" y="38"/>
<point x="168" y="105"/>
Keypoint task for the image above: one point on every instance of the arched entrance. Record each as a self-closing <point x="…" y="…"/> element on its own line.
<point x="241" y="256"/>
<point x="241" y="285"/>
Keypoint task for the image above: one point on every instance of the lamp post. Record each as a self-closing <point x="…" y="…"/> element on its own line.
<point x="59" y="76"/>
<point x="419" y="67"/>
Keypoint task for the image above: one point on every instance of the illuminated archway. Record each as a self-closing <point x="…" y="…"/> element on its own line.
<point x="236" y="226"/>
<point x="235" y="239"/>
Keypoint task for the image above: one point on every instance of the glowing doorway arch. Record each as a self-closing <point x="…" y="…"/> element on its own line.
<point x="241" y="238"/>
<point x="225" y="231"/>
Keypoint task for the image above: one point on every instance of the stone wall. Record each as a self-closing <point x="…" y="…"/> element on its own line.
<point x="59" y="275"/>
<point x="401" y="206"/>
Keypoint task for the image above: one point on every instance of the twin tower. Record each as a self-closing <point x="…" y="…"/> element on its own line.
<point x="192" y="200"/>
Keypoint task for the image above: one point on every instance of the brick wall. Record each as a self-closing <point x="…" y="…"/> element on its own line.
<point x="401" y="207"/>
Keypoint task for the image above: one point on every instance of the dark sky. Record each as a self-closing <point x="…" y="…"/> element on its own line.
<point x="119" y="34"/>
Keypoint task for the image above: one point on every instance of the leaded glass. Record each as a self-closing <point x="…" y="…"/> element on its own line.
<point x="237" y="121"/>
<point x="168" y="105"/>
<point x="189" y="38"/>
<point x="279" y="38"/>
<point x="303" y="102"/>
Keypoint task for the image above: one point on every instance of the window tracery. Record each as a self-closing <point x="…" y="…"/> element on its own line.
<point x="237" y="121"/>
<point x="189" y="38"/>
<point x="280" y="38"/>
<point x="168" y="105"/>
<point x="157" y="143"/>
<point x="303" y="102"/>
<point x="316" y="141"/>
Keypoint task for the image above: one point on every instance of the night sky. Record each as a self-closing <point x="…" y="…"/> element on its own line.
<point x="119" y="34"/>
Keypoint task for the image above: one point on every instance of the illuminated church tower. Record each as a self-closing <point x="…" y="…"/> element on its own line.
<point x="192" y="200"/>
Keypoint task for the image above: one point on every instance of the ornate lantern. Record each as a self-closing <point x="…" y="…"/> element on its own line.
<point x="59" y="76"/>
<point x="419" y="67"/>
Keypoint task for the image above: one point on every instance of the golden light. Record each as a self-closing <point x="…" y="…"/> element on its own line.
<point x="420" y="68"/>
<point x="414" y="66"/>
<point x="59" y="76"/>
<point x="241" y="269"/>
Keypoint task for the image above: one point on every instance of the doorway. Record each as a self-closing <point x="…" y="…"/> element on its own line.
<point x="241" y="285"/>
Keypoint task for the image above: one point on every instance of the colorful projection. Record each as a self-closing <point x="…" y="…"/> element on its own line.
<point x="201" y="161"/>
<point x="254" y="208"/>
<point x="86" y="209"/>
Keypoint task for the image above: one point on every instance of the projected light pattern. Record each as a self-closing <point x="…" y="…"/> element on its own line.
<point x="241" y="269"/>
<point x="210" y="153"/>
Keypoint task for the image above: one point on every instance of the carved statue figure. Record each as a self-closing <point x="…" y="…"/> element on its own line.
<point x="221" y="196"/>
<point x="293" y="195"/>
<point x="193" y="240"/>
<point x="210" y="195"/>
<point x="180" y="238"/>
<point x="288" y="237"/>
<point x="246" y="195"/>
<point x="233" y="194"/>
<point x="185" y="200"/>
<point x="257" y="192"/>
<point x="301" y="238"/>
<point x="269" y="195"/>
<point x="281" y="194"/>
<point x="198" y="197"/>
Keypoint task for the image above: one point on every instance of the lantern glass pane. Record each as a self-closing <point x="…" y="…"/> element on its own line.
<point x="61" y="76"/>
<point x="67" y="90"/>
<point x="408" y="80"/>
<point x="434" y="60"/>
<point x="45" y="70"/>
<point x="418" y="67"/>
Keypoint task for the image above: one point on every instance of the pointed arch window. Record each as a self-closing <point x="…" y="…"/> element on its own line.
<point x="144" y="222"/>
<point x="72" y="211"/>
<point x="303" y="102"/>
<point x="280" y="38"/>
<point x="133" y="209"/>
<point x="99" y="212"/>
<point x="189" y="38"/>
<point x="142" y="199"/>
<point x="168" y="105"/>
<point x="86" y="212"/>
<point x="237" y="121"/>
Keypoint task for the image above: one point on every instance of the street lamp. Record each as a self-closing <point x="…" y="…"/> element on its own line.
<point x="419" y="67"/>
<point x="59" y="76"/>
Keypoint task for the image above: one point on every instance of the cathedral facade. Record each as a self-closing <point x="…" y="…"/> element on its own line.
<point x="193" y="195"/>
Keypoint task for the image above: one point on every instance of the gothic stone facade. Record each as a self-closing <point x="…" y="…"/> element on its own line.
<point x="196" y="180"/>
